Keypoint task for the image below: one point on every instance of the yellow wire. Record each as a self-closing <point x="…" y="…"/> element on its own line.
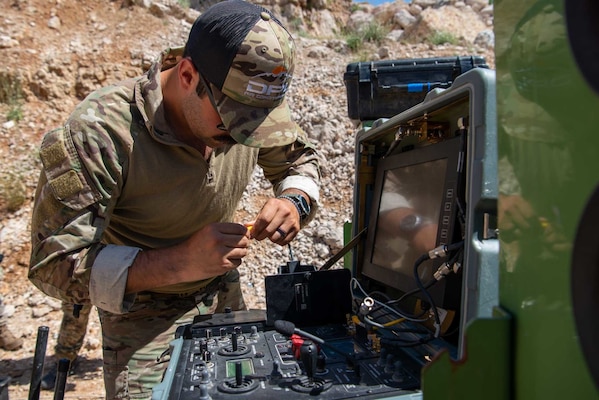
<point x="397" y="321"/>
<point x="356" y="320"/>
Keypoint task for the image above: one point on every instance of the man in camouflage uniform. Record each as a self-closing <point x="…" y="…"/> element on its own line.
<point x="135" y="204"/>
<point x="70" y="339"/>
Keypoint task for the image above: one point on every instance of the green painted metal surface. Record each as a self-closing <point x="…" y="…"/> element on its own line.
<point x="548" y="168"/>
<point x="347" y="237"/>
<point x="483" y="372"/>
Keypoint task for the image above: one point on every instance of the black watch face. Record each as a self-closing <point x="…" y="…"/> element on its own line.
<point x="303" y="204"/>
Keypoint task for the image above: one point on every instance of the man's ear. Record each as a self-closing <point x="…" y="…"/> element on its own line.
<point x="188" y="75"/>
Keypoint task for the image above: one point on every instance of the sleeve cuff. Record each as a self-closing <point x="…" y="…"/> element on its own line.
<point x="302" y="183"/>
<point x="109" y="279"/>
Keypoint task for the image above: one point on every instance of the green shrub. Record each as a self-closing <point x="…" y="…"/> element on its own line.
<point x="11" y="94"/>
<point x="10" y="87"/>
<point x="15" y="113"/>
<point x="439" y="38"/>
<point x="354" y="42"/>
<point x="375" y="32"/>
<point x="372" y="33"/>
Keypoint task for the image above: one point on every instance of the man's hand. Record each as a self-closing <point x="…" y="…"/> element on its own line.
<point x="211" y="251"/>
<point x="278" y="221"/>
<point x="218" y="247"/>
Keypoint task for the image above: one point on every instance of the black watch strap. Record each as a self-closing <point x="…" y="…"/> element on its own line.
<point x="300" y="203"/>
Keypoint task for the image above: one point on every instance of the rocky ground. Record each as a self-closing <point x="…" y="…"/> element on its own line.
<point x="60" y="50"/>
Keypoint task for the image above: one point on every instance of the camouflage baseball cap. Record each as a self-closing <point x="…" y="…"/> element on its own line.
<point x="247" y="57"/>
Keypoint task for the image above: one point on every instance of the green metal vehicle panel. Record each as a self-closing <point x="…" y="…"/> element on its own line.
<point x="548" y="168"/>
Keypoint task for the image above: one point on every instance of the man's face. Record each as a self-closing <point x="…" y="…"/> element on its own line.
<point x="204" y="121"/>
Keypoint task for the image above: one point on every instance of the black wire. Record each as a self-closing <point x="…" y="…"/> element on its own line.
<point x="412" y="292"/>
<point x="458" y="256"/>
<point x="419" y="330"/>
<point x="381" y="294"/>
<point x="447" y="249"/>
<point x="397" y="342"/>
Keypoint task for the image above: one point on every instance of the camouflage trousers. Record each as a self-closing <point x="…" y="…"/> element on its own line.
<point x="72" y="332"/>
<point x="134" y="344"/>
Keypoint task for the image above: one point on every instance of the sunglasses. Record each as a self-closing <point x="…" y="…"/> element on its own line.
<point x="206" y="84"/>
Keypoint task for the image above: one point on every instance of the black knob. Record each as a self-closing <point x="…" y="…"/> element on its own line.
<point x="234" y="344"/>
<point x="276" y="369"/>
<point x="204" y="395"/>
<point x="238" y="374"/>
<point x="205" y="376"/>
<point x="309" y="357"/>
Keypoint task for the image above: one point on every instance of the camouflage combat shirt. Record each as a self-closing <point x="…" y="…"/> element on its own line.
<point x="116" y="181"/>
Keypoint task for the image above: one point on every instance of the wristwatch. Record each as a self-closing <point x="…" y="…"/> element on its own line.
<point x="411" y="223"/>
<point x="300" y="203"/>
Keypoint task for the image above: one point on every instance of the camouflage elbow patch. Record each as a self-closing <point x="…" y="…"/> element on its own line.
<point x="63" y="170"/>
<point x="53" y="154"/>
<point x="66" y="185"/>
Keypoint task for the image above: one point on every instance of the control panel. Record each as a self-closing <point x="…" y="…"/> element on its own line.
<point x="220" y="359"/>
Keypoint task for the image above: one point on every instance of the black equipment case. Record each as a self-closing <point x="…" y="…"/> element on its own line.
<point x="382" y="89"/>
